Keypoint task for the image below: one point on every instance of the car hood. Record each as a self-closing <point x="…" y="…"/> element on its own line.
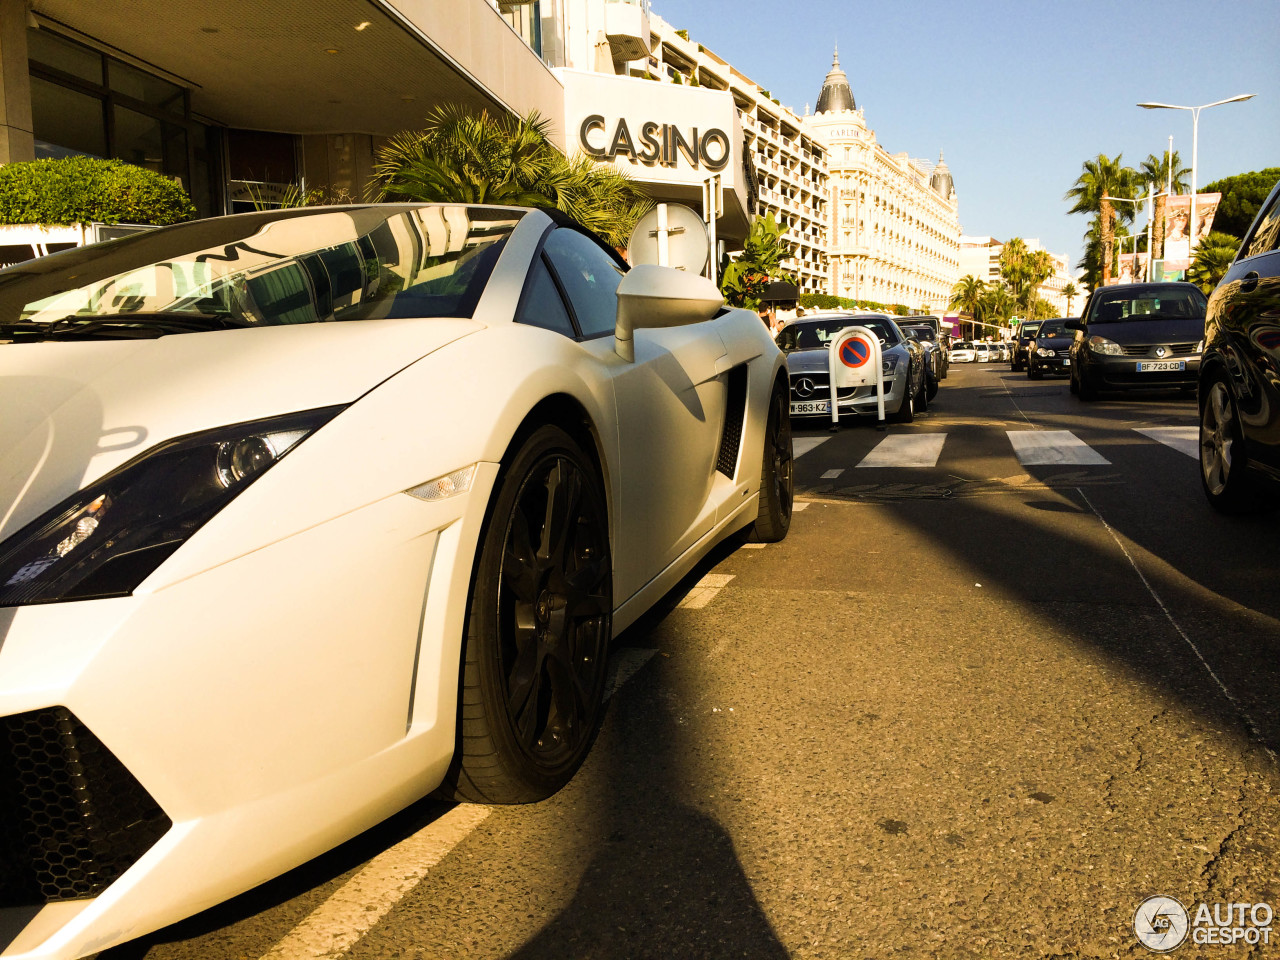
<point x="1173" y="330"/>
<point x="75" y="410"/>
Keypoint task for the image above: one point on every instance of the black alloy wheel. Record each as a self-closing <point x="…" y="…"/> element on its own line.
<point x="773" y="519"/>
<point x="1222" y="455"/>
<point x="538" y="628"/>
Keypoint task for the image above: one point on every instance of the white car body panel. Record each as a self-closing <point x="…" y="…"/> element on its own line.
<point x="303" y="645"/>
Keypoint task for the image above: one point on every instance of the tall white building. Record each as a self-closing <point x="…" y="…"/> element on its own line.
<point x="893" y="223"/>
<point x="980" y="256"/>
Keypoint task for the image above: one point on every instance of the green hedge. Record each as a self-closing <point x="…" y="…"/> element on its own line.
<point x="827" y="301"/>
<point x="82" y="189"/>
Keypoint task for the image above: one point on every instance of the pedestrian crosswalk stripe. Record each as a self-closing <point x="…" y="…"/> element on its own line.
<point x="1051" y="447"/>
<point x="906" y="450"/>
<point x="833" y="474"/>
<point x="1183" y="439"/>
<point x="802" y="445"/>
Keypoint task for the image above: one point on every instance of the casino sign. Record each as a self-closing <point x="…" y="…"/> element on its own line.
<point x="662" y="143"/>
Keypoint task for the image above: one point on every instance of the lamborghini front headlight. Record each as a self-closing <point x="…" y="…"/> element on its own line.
<point x="104" y="540"/>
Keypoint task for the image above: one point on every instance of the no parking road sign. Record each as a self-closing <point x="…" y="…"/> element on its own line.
<point x="854" y="361"/>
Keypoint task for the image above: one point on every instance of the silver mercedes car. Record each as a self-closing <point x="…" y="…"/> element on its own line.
<point x="903" y="360"/>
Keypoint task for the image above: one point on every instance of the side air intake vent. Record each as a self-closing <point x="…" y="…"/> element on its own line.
<point x="735" y="410"/>
<point x="72" y="818"/>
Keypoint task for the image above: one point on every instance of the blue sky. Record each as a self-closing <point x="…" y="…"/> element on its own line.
<point x="1020" y="94"/>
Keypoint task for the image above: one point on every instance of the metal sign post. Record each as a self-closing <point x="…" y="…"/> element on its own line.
<point x="854" y="360"/>
<point x="712" y="208"/>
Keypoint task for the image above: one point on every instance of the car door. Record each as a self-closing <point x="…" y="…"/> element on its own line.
<point x="1248" y="308"/>
<point x="670" y="406"/>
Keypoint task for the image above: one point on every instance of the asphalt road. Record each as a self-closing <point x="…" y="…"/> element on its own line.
<point x="977" y="708"/>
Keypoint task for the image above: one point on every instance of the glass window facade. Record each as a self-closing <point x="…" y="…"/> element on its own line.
<point x="85" y="102"/>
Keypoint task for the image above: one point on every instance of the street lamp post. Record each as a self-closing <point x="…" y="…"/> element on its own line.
<point x="1192" y="226"/>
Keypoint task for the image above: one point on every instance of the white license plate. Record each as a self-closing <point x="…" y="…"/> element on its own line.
<point x="1154" y="365"/>
<point x="811" y="406"/>
<point x="1067" y="362"/>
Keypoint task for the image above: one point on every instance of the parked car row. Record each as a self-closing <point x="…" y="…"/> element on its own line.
<point x="905" y="362"/>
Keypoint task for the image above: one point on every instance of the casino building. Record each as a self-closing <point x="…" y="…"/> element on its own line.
<point x="238" y="100"/>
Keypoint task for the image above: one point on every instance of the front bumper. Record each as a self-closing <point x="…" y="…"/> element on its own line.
<point x="1107" y="372"/>
<point x="813" y="399"/>
<point x="229" y="726"/>
<point x="1058" y="365"/>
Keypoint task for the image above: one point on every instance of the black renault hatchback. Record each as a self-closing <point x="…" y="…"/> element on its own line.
<point x="1138" y="335"/>
<point x="1240" y="373"/>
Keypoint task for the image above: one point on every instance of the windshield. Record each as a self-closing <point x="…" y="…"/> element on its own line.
<point x="962" y="345"/>
<point x="1051" y="328"/>
<point x="816" y="334"/>
<point x="1147" y="303"/>
<point x="1029" y="330"/>
<point x="319" y="265"/>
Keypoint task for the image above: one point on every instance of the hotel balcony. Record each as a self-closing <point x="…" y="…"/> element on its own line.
<point x="626" y="25"/>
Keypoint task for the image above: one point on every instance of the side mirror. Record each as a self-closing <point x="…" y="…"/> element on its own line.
<point x="653" y="296"/>
<point x="1074" y="324"/>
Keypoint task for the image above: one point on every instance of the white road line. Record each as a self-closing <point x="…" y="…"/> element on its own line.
<point x="334" y="927"/>
<point x="1249" y="722"/>
<point x="1042" y="447"/>
<point x="799" y="505"/>
<point x="1183" y="439"/>
<point x="704" y="591"/>
<point x="353" y="910"/>
<point x="906" y="450"/>
<point x="802" y="445"/>
<point x="832" y="474"/>
<point x="756" y="546"/>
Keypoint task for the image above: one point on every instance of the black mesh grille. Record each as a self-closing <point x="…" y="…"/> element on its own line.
<point x="734" y="412"/>
<point x="72" y="818"/>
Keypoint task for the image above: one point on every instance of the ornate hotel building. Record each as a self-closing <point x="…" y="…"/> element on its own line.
<point x="893" y="223"/>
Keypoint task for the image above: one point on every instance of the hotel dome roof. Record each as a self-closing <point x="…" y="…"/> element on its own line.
<point x="836" y="95"/>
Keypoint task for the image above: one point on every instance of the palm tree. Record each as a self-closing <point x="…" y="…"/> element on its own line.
<point x="1100" y="180"/>
<point x="1161" y="173"/>
<point x="966" y="295"/>
<point x="1070" y="291"/>
<point x="460" y="157"/>
<point x="1213" y="256"/>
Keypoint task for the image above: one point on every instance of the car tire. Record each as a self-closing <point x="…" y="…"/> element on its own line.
<point x="906" y="411"/>
<point x="1223" y="464"/>
<point x="773" y="519"/>
<point x="932" y="390"/>
<point x="539" y="623"/>
<point x="1034" y="372"/>
<point x="1085" y="389"/>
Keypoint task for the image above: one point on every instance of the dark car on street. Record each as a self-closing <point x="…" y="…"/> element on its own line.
<point x="935" y="357"/>
<point x="1049" y="352"/>
<point x="1137" y="336"/>
<point x="1240" y="374"/>
<point x="1026" y="334"/>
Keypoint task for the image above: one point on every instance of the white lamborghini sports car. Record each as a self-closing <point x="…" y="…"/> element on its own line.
<point x="306" y="514"/>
